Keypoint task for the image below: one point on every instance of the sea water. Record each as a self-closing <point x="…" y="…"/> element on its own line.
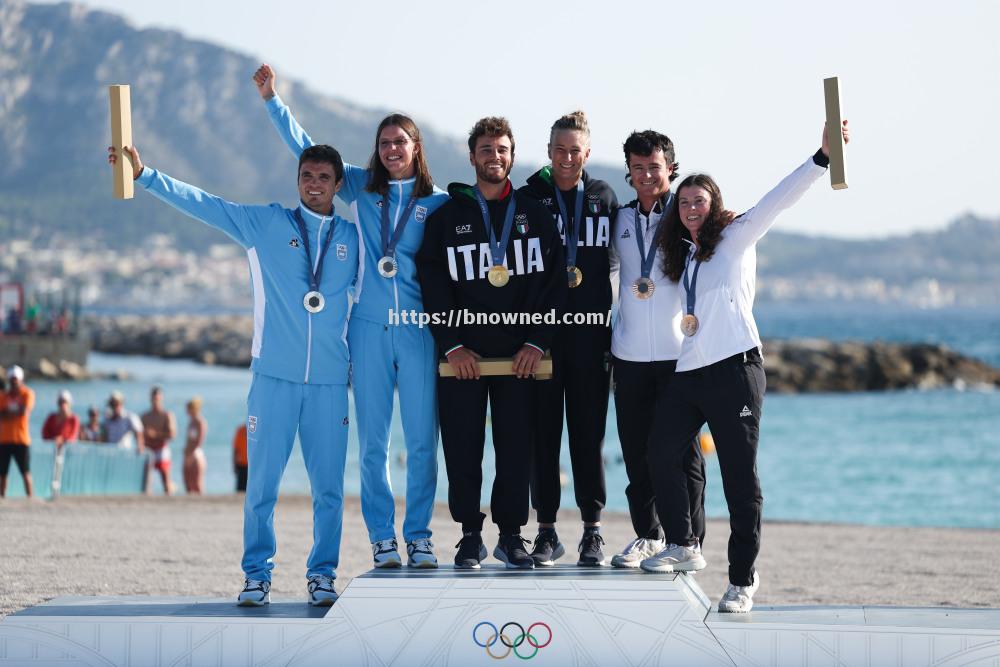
<point x="906" y="458"/>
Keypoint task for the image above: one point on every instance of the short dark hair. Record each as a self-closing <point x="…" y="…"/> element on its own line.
<point x="324" y="154"/>
<point x="645" y="142"/>
<point x="491" y="126"/>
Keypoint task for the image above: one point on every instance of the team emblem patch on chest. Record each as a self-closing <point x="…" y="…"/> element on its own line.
<point x="341" y="252"/>
<point x="252" y="423"/>
<point x="420" y="213"/>
<point x="594" y="206"/>
<point x="521" y="222"/>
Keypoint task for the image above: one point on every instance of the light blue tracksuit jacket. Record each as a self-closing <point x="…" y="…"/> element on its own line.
<point x="387" y="354"/>
<point x="300" y="360"/>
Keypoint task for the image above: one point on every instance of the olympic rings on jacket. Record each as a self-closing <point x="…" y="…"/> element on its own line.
<point x="511" y="645"/>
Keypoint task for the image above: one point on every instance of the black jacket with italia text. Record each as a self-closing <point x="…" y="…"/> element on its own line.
<point x="593" y="295"/>
<point x="452" y="267"/>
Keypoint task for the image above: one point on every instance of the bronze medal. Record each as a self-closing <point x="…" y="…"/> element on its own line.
<point x="643" y="288"/>
<point x="689" y="325"/>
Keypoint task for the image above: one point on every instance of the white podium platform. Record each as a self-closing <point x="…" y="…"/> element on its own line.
<point x="434" y="618"/>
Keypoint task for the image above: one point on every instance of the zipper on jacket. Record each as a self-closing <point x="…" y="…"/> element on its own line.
<point x="399" y="206"/>
<point x="309" y="335"/>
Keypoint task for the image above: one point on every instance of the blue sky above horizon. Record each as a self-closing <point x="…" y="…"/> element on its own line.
<point x="737" y="86"/>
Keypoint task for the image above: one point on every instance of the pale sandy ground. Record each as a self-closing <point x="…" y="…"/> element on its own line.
<point x="192" y="546"/>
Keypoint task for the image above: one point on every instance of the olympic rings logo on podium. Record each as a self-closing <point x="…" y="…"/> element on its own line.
<point x="512" y="645"/>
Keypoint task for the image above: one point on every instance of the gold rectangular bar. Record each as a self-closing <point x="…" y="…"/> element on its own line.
<point x="502" y="366"/>
<point x="838" y="165"/>
<point x="121" y="135"/>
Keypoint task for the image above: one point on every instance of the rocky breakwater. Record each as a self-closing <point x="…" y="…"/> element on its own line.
<point x="812" y="365"/>
<point x="792" y="366"/>
<point x="223" y="340"/>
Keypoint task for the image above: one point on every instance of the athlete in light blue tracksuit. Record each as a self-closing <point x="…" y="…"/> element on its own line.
<point x="385" y="353"/>
<point x="303" y="266"/>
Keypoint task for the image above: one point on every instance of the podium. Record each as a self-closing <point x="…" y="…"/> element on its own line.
<point x="562" y="615"/>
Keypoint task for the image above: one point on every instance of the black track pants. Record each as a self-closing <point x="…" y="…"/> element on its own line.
<point x="462" y="413"/>
<point x="580" y="378"/>
<point x="728" y="395"/>
<point x="639" y="388"/>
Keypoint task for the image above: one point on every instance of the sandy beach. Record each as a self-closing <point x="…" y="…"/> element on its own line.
<point x="192" y="546"/>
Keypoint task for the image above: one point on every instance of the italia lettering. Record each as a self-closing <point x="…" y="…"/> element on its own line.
<point x="598" y="235"/>
<point x="473" y="261"/>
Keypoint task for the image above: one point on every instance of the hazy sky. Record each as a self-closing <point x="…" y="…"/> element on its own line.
<point x="736" y="85"/>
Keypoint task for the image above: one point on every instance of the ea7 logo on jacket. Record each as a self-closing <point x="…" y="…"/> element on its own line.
<point x="463" y="229"/>
<point x="473" y="261"/>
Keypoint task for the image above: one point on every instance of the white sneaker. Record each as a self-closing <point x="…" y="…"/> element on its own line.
<point x="386" y="553"/>
<point x="675" y="558"/>
<point x="739" y="599"/>
<point x="420" y="553"/>
<point x="255" y="593"/>
<point x="637" y="551"/>
<point x="320" y="591"/>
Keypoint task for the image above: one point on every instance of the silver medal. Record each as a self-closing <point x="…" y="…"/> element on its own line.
<point x="387" y="266"/>
<point x="313" y="301"/>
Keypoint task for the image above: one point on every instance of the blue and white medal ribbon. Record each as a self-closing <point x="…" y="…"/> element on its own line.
<point x="498" y="274"/>
<point x="573" y="273"/>
<point x="313" y="301"/>
<point x="387" y="266"/>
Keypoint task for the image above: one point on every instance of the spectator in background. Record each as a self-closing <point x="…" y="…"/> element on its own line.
<point x="62" y="426"/>
<point x="15" y="409"/>
<point x="92" y="430"/>
<point x="240" y="464"/>
<point x="13" y="324"/>
<point x="159" y="428"/>
<point x="123" y="428"/>
<point x="194" y="456"/>
<point x="31" y="318"/>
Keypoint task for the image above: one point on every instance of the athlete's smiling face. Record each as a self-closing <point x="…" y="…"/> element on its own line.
<point x="493" y="158"/>
<point x="569" y="151"/>
<point x="317" y="185"/>
<point x="693" y="203"/>
<point x="650" y="175"/>
<point x="396" y="150"/>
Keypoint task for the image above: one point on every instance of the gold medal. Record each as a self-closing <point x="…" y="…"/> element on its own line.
<point x="498" y="275"/>
<point x="575" y="276"/>
<point x="643" y="288"/>
<point x="689" y="325"/>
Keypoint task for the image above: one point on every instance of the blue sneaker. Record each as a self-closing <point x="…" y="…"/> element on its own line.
<point x="320" y="590"/>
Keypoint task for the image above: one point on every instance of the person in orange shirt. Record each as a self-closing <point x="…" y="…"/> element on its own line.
<point x="15" y="407"/>
<point x="62" y="426"/>
<point x="240" y="465"/>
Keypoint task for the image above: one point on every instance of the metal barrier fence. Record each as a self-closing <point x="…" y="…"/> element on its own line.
<point x="82" y="469"/>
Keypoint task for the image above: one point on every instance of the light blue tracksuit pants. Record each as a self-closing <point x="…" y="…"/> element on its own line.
<point x="276" y="410"/>
<point x="382" y="359"/>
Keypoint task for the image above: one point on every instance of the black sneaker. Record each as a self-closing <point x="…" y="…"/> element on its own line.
<point x="548" y="548"/>
<point x="510" y="549"/>
<point x="591" y="554"/>
<point x="471" y="551"/>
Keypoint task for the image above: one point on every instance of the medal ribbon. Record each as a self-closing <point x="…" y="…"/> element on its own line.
<point x="645" y="257"/>
<point x="572" y="231"/>
<point x="314" y="274"/>
<point x="497" y="250"/>
<point x="389" y="244"/>
<point x="689" y="289"/>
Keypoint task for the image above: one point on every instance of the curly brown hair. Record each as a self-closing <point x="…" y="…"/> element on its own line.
<point x="675" y="236"/>
<point x="491" y="126"/>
